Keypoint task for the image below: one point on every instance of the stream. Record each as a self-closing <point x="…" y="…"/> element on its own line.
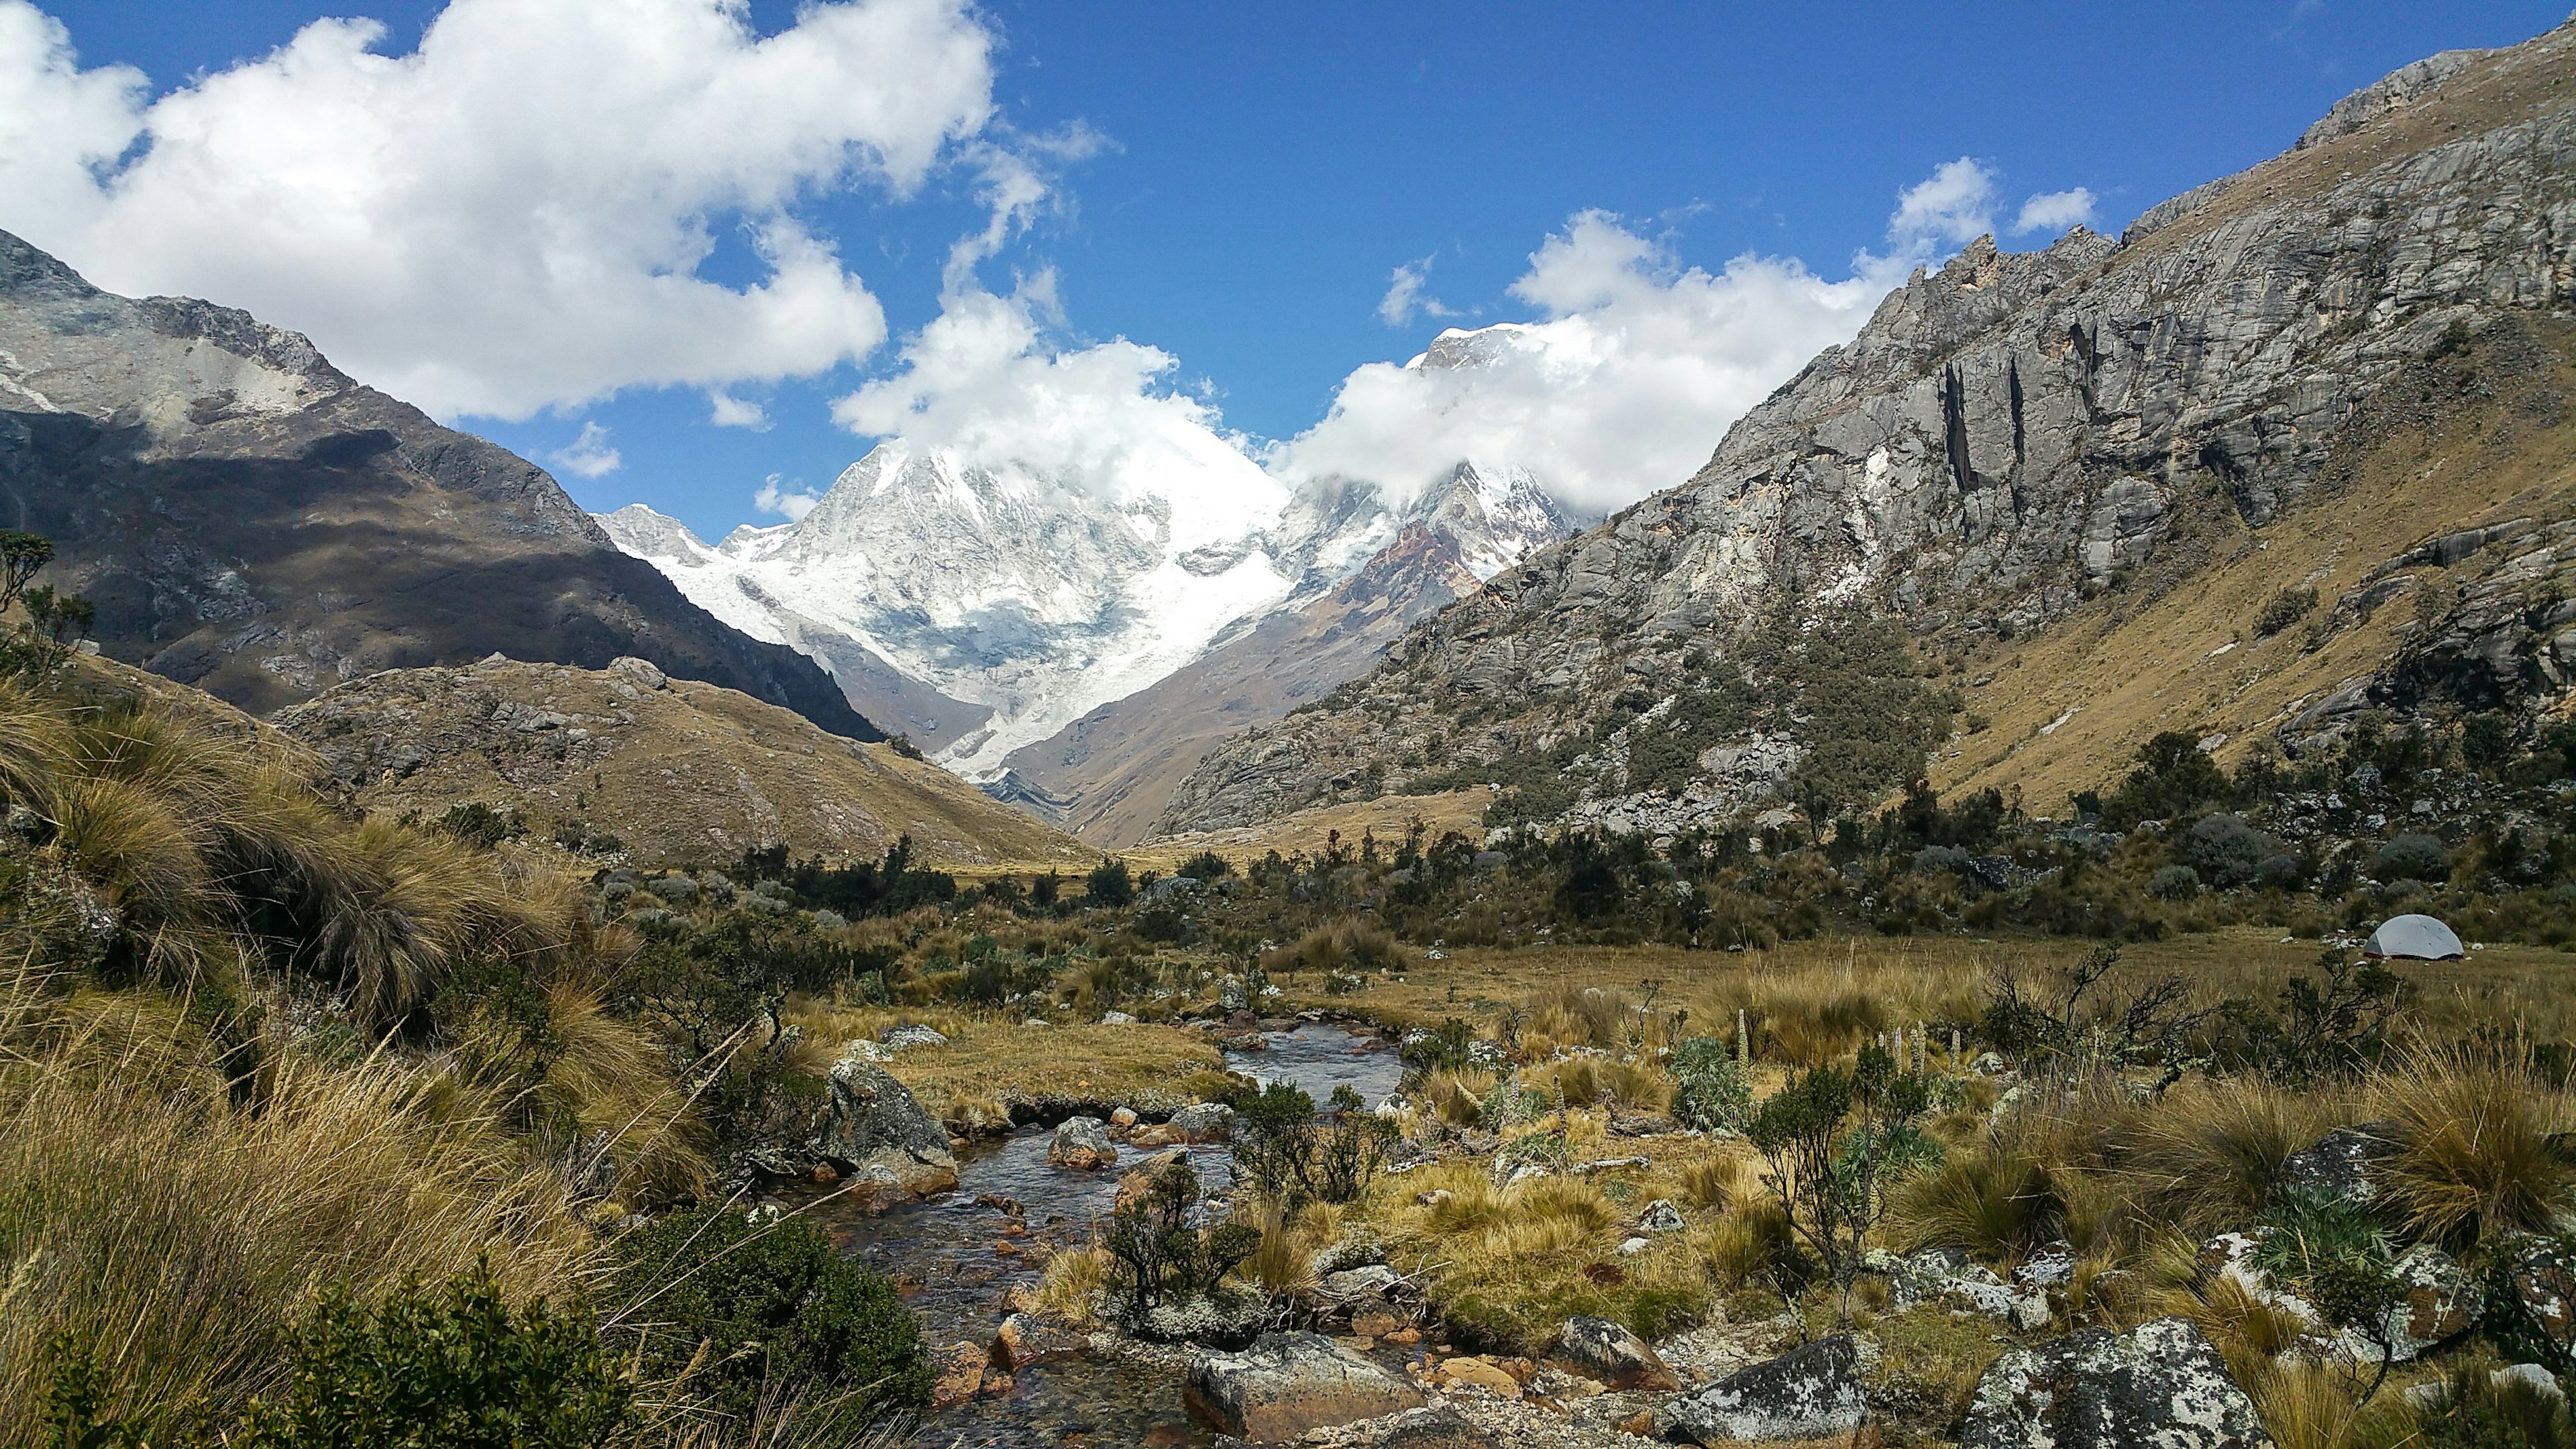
<point x="954" y="1264"/>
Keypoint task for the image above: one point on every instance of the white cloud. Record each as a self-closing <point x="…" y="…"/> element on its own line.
<point x="1623" y="387"/>
<point x="983" y="381"/>
<point x="515" y="215"/>
<point x="2055" y="211"/>
<point x="1950" y="208"/>
<point x="589" y="455"/>
<point x="1404" y="298"/>
<point x="724" y="410"/>
<point x="791" y="503"/>
<point x="57" y="122"/>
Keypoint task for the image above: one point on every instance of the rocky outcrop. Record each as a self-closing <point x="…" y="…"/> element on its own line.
<point x="2160" y="1383"/>
<point x="886" y="1147"/>
<point x="1809" y="1393"/>
<point x="1288" y="1383"/>
<point x="250" y="520"/>
<point x="2009" y="436"/>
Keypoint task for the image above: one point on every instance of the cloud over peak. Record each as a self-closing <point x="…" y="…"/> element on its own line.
<point x="518" y="214"/>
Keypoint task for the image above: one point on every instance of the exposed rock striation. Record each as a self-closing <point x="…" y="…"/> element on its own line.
<point x="2009" y="436"/>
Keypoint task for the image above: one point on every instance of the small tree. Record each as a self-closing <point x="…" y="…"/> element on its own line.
<point x="1288" y="1152"/>
<point x="1829" y="1141"/>
<point x="1109" y="884"/>
<point x="1161" y="1252"/>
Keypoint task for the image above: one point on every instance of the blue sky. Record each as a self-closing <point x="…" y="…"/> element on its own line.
<point x="1256" y="173"/>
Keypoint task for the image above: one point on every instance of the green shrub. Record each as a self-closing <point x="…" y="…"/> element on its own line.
<point x="2282" y="610"/>
<point x="1708" y="1090"/>
<point x="434" y="1368"/>
<point x="476" y="823"/>
<point x="765" y="1304"/>
<point x="2225" y="850"/>
<point x="2175" y="883"/>
<point x="1109" y="884"/>
<point x="2412" y="857"/>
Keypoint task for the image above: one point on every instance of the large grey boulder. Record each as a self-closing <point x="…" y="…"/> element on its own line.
<point x="1082" y="1143"/>
<point x="1809" y="1393"/>
<point x="1288" y="1383"/>
<point x="2159" y="1384"/>
<point x="879" y="1137"/>
<point x="1204" y="1121"/>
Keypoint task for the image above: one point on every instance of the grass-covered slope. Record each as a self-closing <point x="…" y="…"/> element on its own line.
<point x="671" y="771"/>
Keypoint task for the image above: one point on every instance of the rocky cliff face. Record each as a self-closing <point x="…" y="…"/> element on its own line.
<point x="251" y="521"/>
<point x="2011" y="441"/>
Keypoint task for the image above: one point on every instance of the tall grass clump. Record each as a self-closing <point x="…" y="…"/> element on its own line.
<point x="2478" y="1143"/>
<point x="175" y="1238"/>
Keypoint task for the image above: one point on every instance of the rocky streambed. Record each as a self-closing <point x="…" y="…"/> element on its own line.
<point x="959" y="1257"/>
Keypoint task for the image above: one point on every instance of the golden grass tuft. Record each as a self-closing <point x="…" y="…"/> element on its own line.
<point x="1713" y="1184"/>
<point x="177" y="1236"/>
<point x="2479" y="1145"/>
<point x="2208" y="1152"/>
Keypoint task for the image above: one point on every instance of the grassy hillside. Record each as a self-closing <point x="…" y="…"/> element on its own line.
<point x="678" y="773"/>
<point x="2480" y="435"/>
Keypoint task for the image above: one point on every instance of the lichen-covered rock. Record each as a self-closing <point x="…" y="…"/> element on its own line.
<point x="2443" y="1301"/>
<point x="1661" y="1216"/>
<point x="1204" y="1122"/>
<point x="2337" y="1165"/>
<point x="1288" y="1383"/>
<point x="877" y="1136"/>
<point x="1808" y="1393"/>
<point x="896" y="1038"/>
<point x="2159" y="1384"/>
<point x="1082" y="1143"/>
<point x="1606" y="1350"/>
<point x="2544" y="1289"/>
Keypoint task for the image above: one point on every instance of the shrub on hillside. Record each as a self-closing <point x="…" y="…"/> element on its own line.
<point x="2225" y="850"/>
<point x="2282" y="610"/>
<point x="2174" y="883"/>
<point x="2412" y="857"/>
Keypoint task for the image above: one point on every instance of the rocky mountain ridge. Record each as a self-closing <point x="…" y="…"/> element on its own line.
<point x="1107" y="775"/>
<point x="2011" y="442"/>
<point x="250" y="520"/>
<point x="982" y="611"/>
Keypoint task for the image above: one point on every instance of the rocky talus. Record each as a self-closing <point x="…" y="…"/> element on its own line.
<point x="2017" y="445"/>
<point x="250" y="520"/>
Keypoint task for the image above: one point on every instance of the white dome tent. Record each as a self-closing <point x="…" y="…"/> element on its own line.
<point x="2416" y="938"/>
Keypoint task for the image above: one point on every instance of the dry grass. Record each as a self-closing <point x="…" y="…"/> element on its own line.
<point x="215" y="853"/>
<point x="990" y="1065"/>
<point x="177" y="1236"/>
<point x="2206" y="1157"/>
<point x="2480" y="1146"/>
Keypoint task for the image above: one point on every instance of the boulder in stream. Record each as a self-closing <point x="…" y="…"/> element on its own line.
<point x="1082" y="1143"/>
<point x="1288" y="1383"/>
<point x="879" y="1138"/>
